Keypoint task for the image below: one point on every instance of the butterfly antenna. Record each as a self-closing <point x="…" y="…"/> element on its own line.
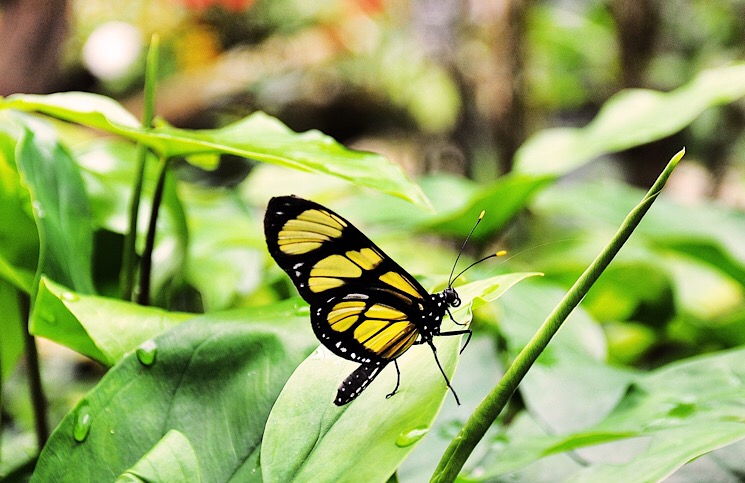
<point x="500" y="253"/>
<point x="450" y="280"/>
<point x="447" y="381"/>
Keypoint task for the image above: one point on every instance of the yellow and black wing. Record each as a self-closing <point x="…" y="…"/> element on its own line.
<point x="364" y="306"/>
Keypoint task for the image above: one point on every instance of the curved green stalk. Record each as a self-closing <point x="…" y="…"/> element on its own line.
<point x="486" y="413"/>
<point x="143" y="293"/>
<point x="128" y="254"/>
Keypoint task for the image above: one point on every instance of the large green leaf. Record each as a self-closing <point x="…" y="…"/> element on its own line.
<point x="630" y="118"/>
<point x="101" y="328"/>
<point x="61" y="208"/>
<point x="308" y="438"/>
<point x="258" y="137"/>
<point x="213" y="379"/>
<point x="669" y="417"/>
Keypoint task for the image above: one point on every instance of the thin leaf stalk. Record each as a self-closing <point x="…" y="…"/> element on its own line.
<point x="130" y="239"/>
<point x="36" y="388"/>
<point x="487" y="412"/>
<point x="146" y="263"/>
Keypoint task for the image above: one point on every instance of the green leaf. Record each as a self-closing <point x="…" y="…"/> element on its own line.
<point x="61" y="208"/>
<point x="171" y="459"/>
<point x="308" y="438"/>
<point x="630" y="118"/>
<point x="669" y="417"/>
<point x="710" y="233"/>
<point x="501" y="200"/>
<point x="570" y="386"/>
<point x="101" y="328"/>
<point x="12" y="328"/>
<point x="19" y="250"/>
<point x="80" y="107"/>
<point x="258" y="137"/>
<point x="457" y="202"/>
<point x="213" y="379"/>
<point x="224" y="259"/>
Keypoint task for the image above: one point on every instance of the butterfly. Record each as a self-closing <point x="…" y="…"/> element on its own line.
<point x="363" y="306"/>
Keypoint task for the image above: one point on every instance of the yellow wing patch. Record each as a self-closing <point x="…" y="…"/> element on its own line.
<point x="397" y="281"/>
<point x="345" y="314"/>
<point x="367" y="258"/>
<point x="368" y="328"/>
<point x="384" y="312"/>
<point x="309" y="231"/>
<point x="322" y="217"/>
<point x="336" y="266"/>
<point x="393" y="340"/>
<point x="329" y="273"/>
<point x="321" y="284"/>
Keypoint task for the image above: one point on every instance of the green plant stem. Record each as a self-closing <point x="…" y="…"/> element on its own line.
<point x="130" y="239"/>
<point x="38" y="400"/>
<point x="143" y="294"/>
<point x="487" y="412"/>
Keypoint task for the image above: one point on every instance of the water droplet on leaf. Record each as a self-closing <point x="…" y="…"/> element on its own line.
<point x="407" y="438"/>
<point x="146" y="352"/>
<point x="82" y="426"/>
<point x="70" y="297"/>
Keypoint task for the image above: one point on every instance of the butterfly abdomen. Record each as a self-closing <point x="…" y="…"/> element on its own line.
<point x="357" y="381"/>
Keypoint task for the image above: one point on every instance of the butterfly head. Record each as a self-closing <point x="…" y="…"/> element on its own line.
<point x="451" y="297"/>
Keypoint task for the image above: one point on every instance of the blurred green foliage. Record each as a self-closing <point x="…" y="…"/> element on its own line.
<point x="644" y="377"/>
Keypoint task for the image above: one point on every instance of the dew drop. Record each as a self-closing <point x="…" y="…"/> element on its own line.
<point x="38" y="209"/>
<point x="82" y="426"/>
<point x="70" y="297"/>
<point x="146" y="352"/>
<point x="407" y="438"/>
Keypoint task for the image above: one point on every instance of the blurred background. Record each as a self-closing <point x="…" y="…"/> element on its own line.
<point x="450" y="90"/>
<point x="448" y="85"/>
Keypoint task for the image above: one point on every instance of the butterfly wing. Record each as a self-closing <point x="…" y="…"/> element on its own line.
<point x="364" y="306"/>
<point x="321" y="252"/>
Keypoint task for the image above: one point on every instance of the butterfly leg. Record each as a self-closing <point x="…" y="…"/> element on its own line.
<point x="398" y="380"/>
<point x="453" y="319"/>
<point x="460" y="332"/>
<point x="447" y="381"/>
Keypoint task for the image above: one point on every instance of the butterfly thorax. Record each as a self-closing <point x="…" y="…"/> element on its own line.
<point x="431" y="320"/>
